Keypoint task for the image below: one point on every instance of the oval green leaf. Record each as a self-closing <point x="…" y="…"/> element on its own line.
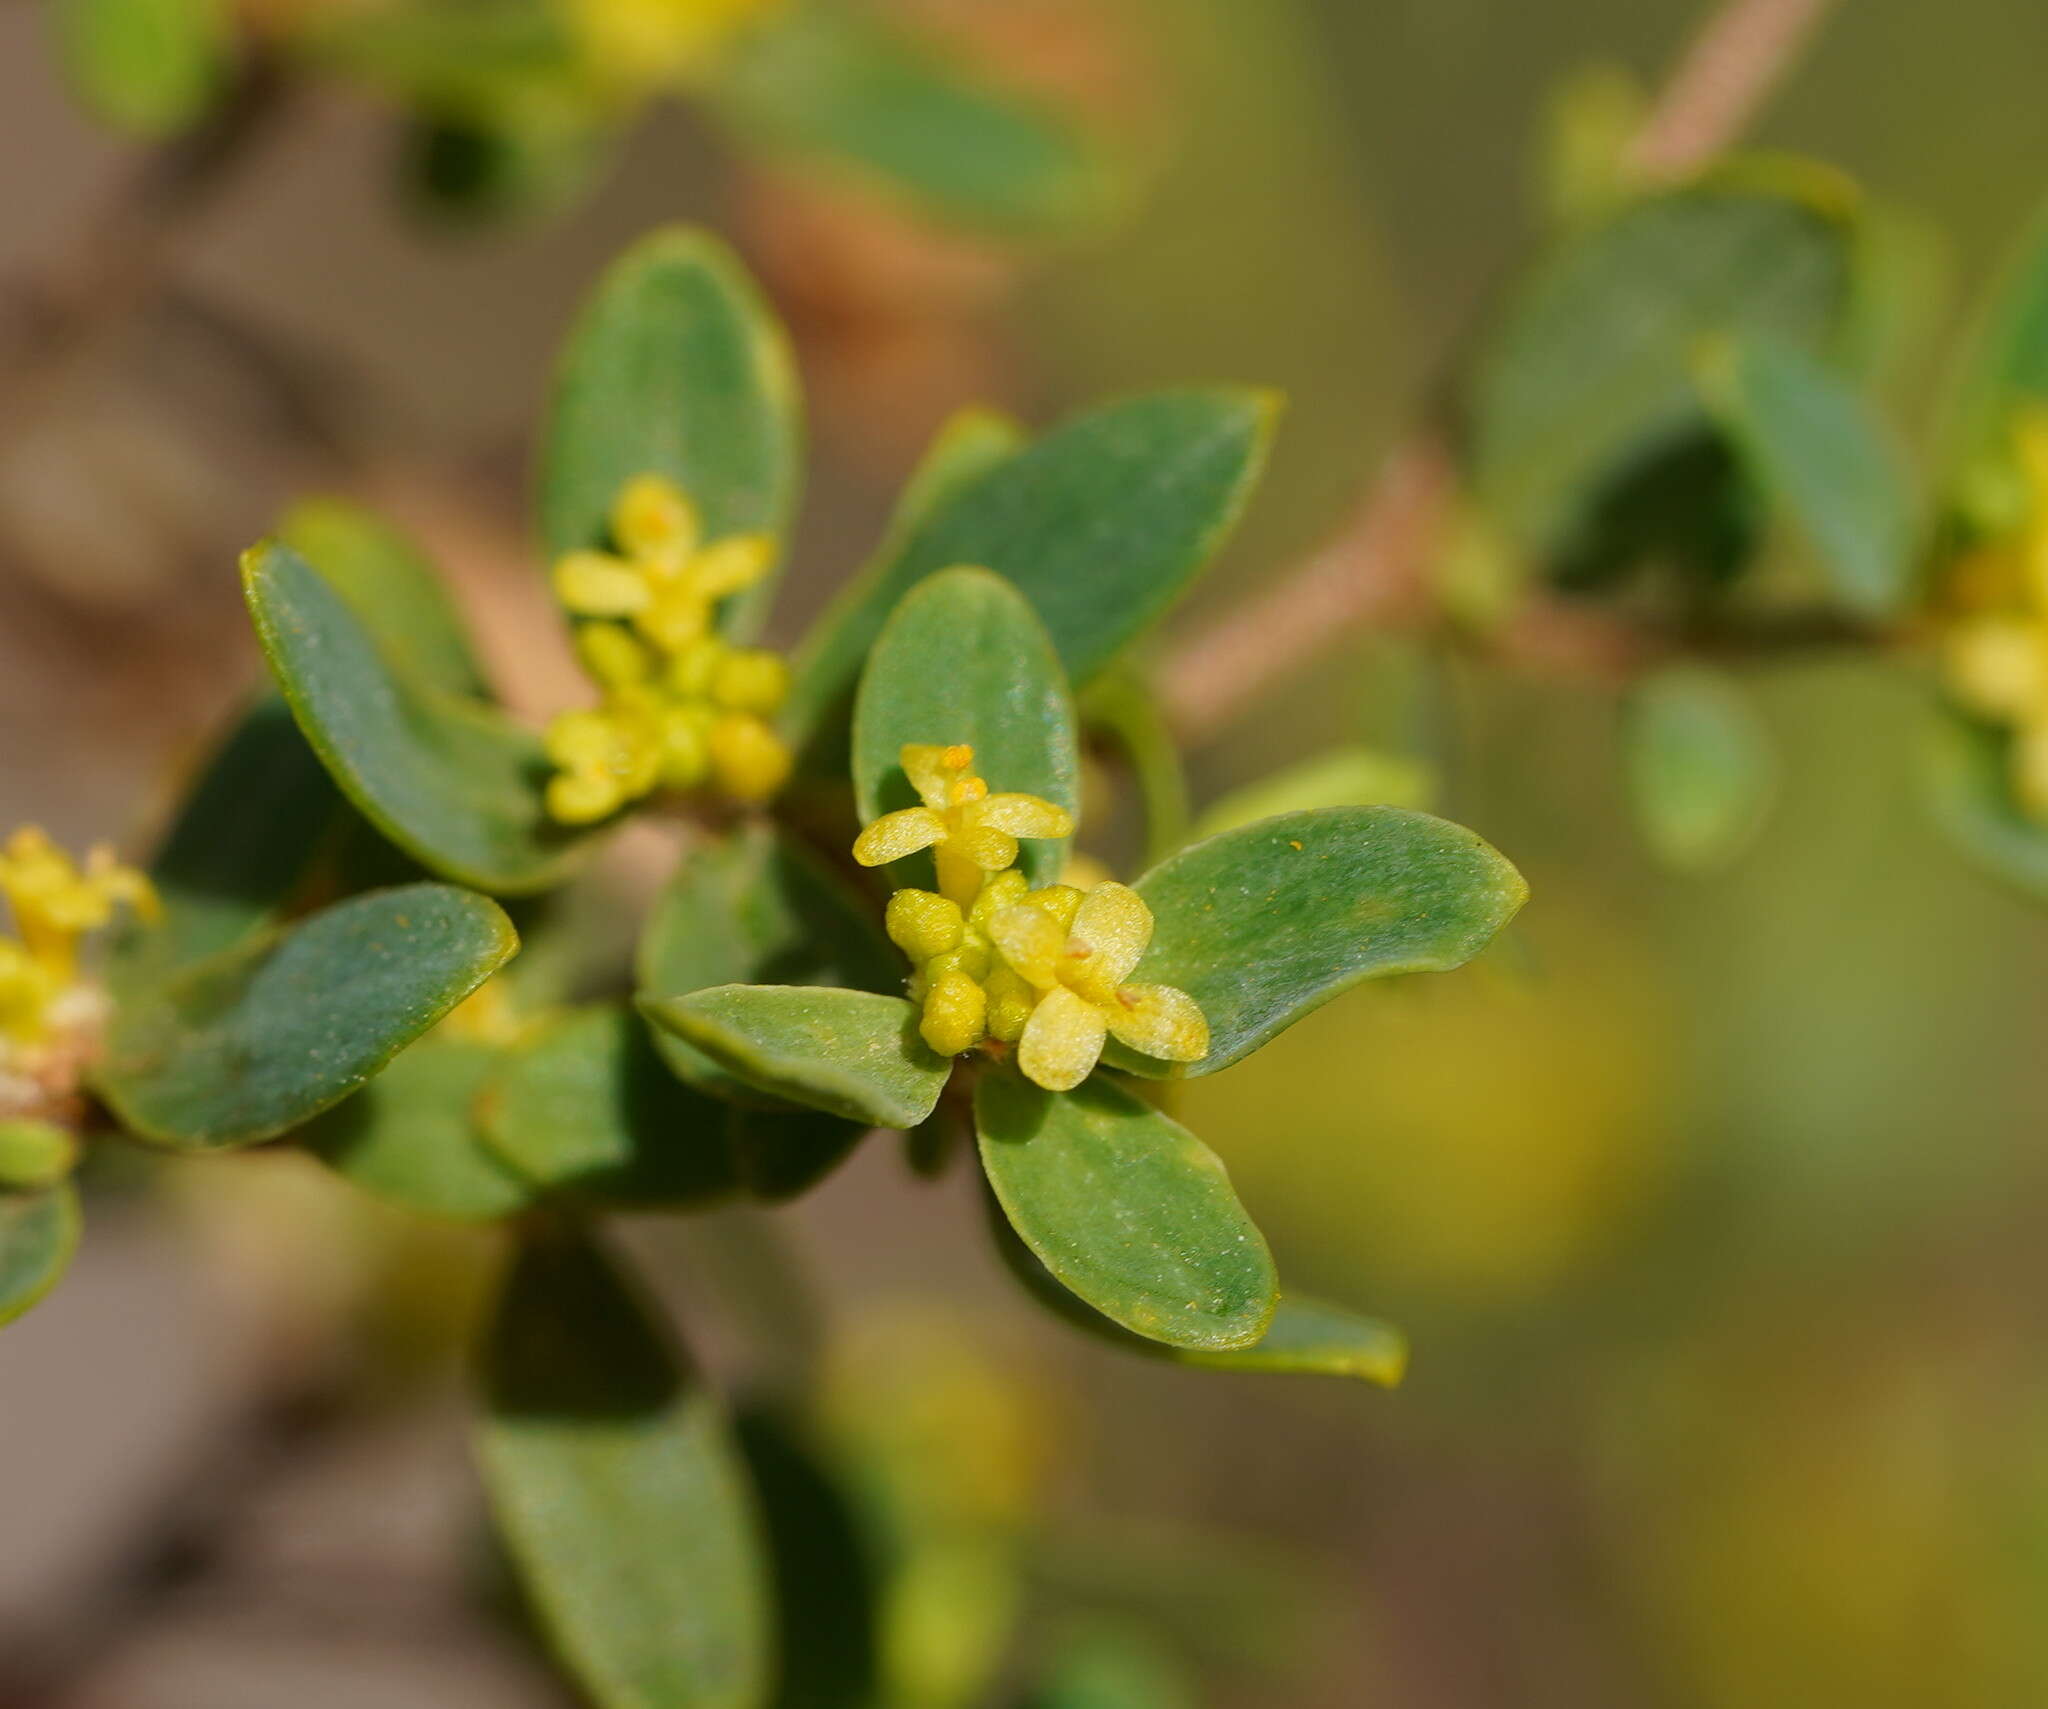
<point x="38" y="1234"/>
<point x="1811" y="441"/>
<point x="1587" y="372"/>
<point x="849" y="1053"/>
<point x="588" y="1112"/>
<point x="455" y="783"/>
<point x="619" y="1491"/>
<point x="1128" y="1210"/>
<point x="1699" y="767"/>
<point x="677" y="366"/>
<point x="1102" y="524"/>
<point x="411" y="1135"/>
<point x="1969" y="784"/>
<point x="964" y="660"/>
<point x="266" y="1035"/>
<point x="757" y="907"/>
<point x="1264" y="924"/>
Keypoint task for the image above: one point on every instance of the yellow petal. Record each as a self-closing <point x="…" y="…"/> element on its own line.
<point x="685" y="746"/>
<point x="695" y="666"/>
<point x="1997" y="665"/>
<point x="1061" y="1042"/>
<point x="925" y="765"/>
<point x="674" y="618"/>
<point x="988" y="848"/>
<point x="596" y="584"/>
<point x="895" y="835"/>
<point x="749" y="761"/>
<point x="750" y="679"/>
<point x="1160" y="1020"/>
<point x="583" y="797"/>
<point x="1021" y="816"/>
<point x="654" y="518"/>
<point x="999" y="890"/>
<point x="923" y="925"/>
<point x="613" y="656"/>
<point x="731" y="565"/>
<point x="1058" y="900"/>
<point x="1113" y="929"/>
<point x="1031" y="941"/>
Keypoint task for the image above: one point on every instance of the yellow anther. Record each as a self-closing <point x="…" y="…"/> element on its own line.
<point x="749" y="762"/>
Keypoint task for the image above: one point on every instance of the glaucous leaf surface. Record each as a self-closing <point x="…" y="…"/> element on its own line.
<point x="389" y="584"/>
<point x="1699" y="766"/>
<point x="619" y="1491"/>
<point x="677" y="366"/>
<point x="587" y="1111"/>
<point x="246" y="833"/>
<point x="411" y="1136"/>
<point x="455" y="783"/>
<point x="1587" y="370"/>
<point x="840" y="88"/>
<point x="151" y="67"/>
<point x="1128" y="1210"/>
<point x="38" y="1234"/>
<point x="1812" y="442"/>
<point x="263" y="1036"/>
<point x="1969" y="773"/>
<point x="964" y="660"/>
<point x="1102" y="524"/>
<point x="1263" y="924"/>
<point x="757" y="907"/>
<point x="850" y="1053"/>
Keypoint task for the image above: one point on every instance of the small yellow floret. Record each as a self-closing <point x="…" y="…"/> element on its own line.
<point x="55" y="903"/>
<point x="749" y="762"/>
<point x="969" y="831"/>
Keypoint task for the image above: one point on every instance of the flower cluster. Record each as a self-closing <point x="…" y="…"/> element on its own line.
<point x="682" y="708"/>
<point x="1995" y="654"/>
<point x="55" y="903"/>
<point x="1045" y="970"/>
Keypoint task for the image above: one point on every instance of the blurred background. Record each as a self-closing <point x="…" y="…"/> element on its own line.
<point x="1712" y="1206"/>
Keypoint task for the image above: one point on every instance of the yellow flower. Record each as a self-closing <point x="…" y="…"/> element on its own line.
<point x="55" y="902"/>
<point x="950" y="948"/>
<point x="644" y="44"/>
<point x="969" y="831"/>
<point x="1079" y="966"/>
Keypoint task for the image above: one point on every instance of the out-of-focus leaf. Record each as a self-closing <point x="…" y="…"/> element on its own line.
<point x="391" y="587"/>
<point x="1586" y="373"/>
<point x="1128" y="1210"/>
<point x="38" y="1234"/>
<point x="850" y="1053"/>
<point x="1121" y="705"/>
<point x="411" y="1135"/>
<point x="820" y="708"/>
<point x="243" y="838"/>
<point x="841" y="89"/>
<point x="34" y="1154"/>
<point x="783" y="1154"/>
<point x="1264" y="924"/>
<point x="1109" y="1664"/>
<point x="615" y="1481"/>
<point x="588" y="1111"/>
<point x="1343" y="777"/>
<point x="1102" y="524"/>
<point x="1306" y="1337"/>
<point x="1969" y="782"/>
<point x="455" y="783"/>
<point x="964" y="660"/>
<point x="756" y="907"/>
<point x="152" y="67"/>
<point x="514" y="162"/>
<point x="2006" y="362"/>
<point x="1588" y="122"/>
<point x="677" y="366"/>
<point x="265" y="1035"/>
<point x="1699" y="767"/>
<point x="448" y="56"/>
<point x="1811" y="441"/>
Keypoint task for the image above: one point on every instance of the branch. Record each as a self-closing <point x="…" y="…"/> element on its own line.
<point x="1374" y="571"/>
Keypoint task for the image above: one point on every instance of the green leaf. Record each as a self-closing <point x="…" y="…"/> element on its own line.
<point x="1812" y="442"/>
<point x="1343" y="777"/>
<point x="1306" y="1337"/>
<point x="391" y="588"/>
<point x="971" y="444"/>
<point x="1120" y="705"/>
<point x="1263" y="925"/>
<point x="34" y="1154"/>
<point x="1128" y="1210"/>
<point x="850" y="1053"/>
<point x="751" y="908"/>
<point x="782" y="1154"/>
<point x="1699" y="767"/>
<point x="964" y="660"/>
<point x="588" y="1112"/>
<point x="837" y="86"/>
<point x="38" y="1234"/>
<point x="678" y="367"/>
<point x="455" y="783"/>
<point x="2006" y="362"/>
<point x="244" y="837"/>
<point x="511" y="160"/>
<point x="1969" y="783"/>
<point x="615" y="1481"/>
<point x="1111" y="1664"/>
<point x="266" y="1035"/>
<point x="411" y="1135"/>
<point x="151" y="67"/>
<point x="1102" y="524"/>
<point x="1587" y="372"/>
